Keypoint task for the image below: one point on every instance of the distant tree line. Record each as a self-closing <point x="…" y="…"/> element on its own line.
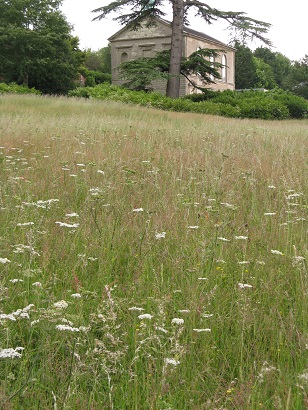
<point x="38" y="50"/>
<point x="264" y="68"/>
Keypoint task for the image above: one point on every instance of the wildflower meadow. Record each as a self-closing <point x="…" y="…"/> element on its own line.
<point x="151" y="259"/>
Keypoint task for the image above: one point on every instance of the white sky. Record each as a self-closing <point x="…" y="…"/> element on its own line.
<point x="289" y="31"/>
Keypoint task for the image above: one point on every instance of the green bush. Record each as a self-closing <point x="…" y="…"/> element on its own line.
<point x="14" y="88"/>
<point x="252" y="104"/>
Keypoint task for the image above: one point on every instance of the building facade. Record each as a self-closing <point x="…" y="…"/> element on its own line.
<point x="128" y="44"/>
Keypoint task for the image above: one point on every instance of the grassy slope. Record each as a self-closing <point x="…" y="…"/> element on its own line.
<point x="207" y="182"/>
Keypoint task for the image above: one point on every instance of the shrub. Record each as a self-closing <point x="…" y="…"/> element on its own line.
<point x="14" y="88"/>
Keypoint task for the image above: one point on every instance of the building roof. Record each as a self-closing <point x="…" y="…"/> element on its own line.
<point x="187" y="31"/>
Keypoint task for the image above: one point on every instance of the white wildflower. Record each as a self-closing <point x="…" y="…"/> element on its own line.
<point x="76" y="295"/>
<point x="244" y="262"/>
<point x="16" y="280"/>
<point x="303" y="377"/>
<point x="241" y="237"/>
<point x="145" y="316"/>
<point x="202" y="330"/>
<point x="207" y="315"/>
<point x="72" y="215"/>
<point x="271" y="187"/>
<point x="161" y="329"/>
<point x="61" y="304"/>
<point x="138" y="210"/>
<point x="67" y="327"/>
<point x="269" y="213"/>
<point x="184" y="311"/>
<point x="177" y="321"/>
<point x="160" y="235"/>
<point x="138" y="309"/>
<point x="173" y="362"/>
<point x="223" y="239"/>
<point x="34" y="322"/>
<point x="202" y="278"/>
<point x="4" y="260"/>
<point x="100" y="171"/>
<point x="25" y="224"/>
<point x="244" y="285"/>
<point x="68" y="225"/>
<point x="11" y="353"/>
<point x="193" y="227"/>
<point x="275" y="252"/>
<point x="37" y="284"/>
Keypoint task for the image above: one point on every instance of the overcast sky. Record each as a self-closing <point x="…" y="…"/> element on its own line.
<point x="289" y="31"/>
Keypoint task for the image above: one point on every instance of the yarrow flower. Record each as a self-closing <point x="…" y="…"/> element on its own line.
<point x="177" y="321"/>
<point x="269" y="213"/>
<point x="275" y="252"/>
<point x="241" y="237"/>
<point x="11" y="353"/>
<point x="76" y="295"/>
<point x="193" y="227"/>
<point x="145" y="316"/>
<point x="173" y="362"/>
<point x="160" y="235"/>
<point x="4" y="260"/>
<point x="139" y="309"/>
<point x="138" y="210"/>
<point x="61" y="304"/>
<point x="25" y="224"/>
<point x="67" y="225"/>
<point x="202" y="330"/>
<point x="223" y="239"/>
<point x="244" y="285"/>
<point x="66" y="327"/>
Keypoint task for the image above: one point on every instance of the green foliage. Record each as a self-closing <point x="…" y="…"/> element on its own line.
<point x="253" y="104"/>
<point x="297" y="80"/>
<point x="264" y="75"/>
<point x="280" y="64"/>
<point x="99" y="61"/>
<point x="245" y="69"/>
<point x="14" y="88"/>
<point x="139" y="74"/>
<point x="36" y="46"/>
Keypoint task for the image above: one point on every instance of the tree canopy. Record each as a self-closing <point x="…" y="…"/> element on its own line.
<point x="36" y="46"/>
<point x="140" y="73"/>
<point x="147" y="10"/>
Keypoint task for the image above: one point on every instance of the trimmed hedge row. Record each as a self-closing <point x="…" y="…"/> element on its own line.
<point x="253" y="104"/>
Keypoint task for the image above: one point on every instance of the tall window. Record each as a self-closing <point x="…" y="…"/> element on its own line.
<point x="212" y="59"/>
<point x="224" y="68"/>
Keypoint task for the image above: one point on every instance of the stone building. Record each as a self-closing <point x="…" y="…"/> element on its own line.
<point x="129" y="44"/>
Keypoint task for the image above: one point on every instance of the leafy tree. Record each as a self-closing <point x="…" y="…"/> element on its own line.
<point x="140" y="73"/>
<point x="265" y="74"/>
<point x="36" y="47"/>
<point x="139" y="10"/>
<point x="245" y="68"/>
<point x="297" y="80"/>
<point x="280" y="64"/>
<point x="98" y="60"/>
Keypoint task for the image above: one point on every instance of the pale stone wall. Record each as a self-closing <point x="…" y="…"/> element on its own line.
<point x="127" y="45"/>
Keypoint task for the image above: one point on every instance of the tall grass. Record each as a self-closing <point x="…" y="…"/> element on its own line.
<point x="151" y="260"/>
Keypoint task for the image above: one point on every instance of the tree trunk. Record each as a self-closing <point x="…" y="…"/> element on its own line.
<point x="173" y="85"/>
